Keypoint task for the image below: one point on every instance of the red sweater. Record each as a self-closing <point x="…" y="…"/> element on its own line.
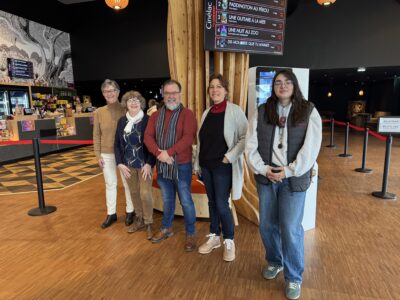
<point x="186" y="129"/>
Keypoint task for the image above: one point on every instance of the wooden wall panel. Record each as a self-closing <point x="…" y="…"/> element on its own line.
<point x="218" y="62"/>
<point x="199" y="77"/>
<point x="190" y="59"/>
<point x="186" y="51"/>
<point x="170" y="44"/>
<point x="207" y="77"/>
<point x="229" y="73"/>
<point x="245" y="84"/>
<point x="179" y="43"/>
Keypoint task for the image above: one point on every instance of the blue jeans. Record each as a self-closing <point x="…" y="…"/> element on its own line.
<point x="281" y="214"/>
<point x="184" y="188"/>
<point x="218" y="183"/>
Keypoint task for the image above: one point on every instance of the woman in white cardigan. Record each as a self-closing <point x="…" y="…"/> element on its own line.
<point x="219" y="163"/>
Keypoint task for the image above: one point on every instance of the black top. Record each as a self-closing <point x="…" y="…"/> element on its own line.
<point x="213" y="145"/>
<point x="129" y="148"/>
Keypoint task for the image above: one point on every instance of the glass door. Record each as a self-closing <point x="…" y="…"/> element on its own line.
<point x="19" y="98"/>
<point x="4" y="104"/>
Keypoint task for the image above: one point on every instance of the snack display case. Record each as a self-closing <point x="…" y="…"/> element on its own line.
<point x="65" y="126"/>
<point x="58" y="128"/>
<point x="6" y="134"/>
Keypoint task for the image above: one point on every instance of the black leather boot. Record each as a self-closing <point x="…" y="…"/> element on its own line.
<point x="129" y="218"/>
<point x="109" y="221"/>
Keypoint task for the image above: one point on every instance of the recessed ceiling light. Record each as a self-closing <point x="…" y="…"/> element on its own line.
<point x="361" y="69"/>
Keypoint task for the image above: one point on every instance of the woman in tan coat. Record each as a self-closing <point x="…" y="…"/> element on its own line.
<point x="104" y="128"/>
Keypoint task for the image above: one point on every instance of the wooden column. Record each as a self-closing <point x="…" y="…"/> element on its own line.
<point x="185" y="51"/>
<point x="190" y="65"/>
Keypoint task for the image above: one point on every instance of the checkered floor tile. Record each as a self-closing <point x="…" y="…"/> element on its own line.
<point x="59" y="170"/>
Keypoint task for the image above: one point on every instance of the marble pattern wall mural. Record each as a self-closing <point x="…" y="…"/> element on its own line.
<point x="47" y="48"/>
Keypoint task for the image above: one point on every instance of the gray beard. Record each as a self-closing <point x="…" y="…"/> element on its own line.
<point x="171" y="106"/>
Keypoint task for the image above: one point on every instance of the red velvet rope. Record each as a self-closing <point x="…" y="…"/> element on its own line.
<point x="340" y="123"/>
<point x="356" y="128"/>
<point x="382" y="138"/>
<point x="49" y="142"/>
<point x="89" y="142"/>
<point x="27" y="142"/>
<point x="377" y="135"/>
<point x="67" y="142"/>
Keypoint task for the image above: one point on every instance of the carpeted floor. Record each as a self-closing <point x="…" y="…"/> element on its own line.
<point x="59" y="170"/>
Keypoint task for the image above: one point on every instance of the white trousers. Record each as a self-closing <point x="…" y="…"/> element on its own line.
<point x="110" y="177"/>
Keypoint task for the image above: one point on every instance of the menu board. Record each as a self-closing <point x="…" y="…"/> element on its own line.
<point x="18" y="68"/>
<point x="256" y="26"/>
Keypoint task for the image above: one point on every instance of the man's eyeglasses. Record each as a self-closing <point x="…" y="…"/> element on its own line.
<point x="281" y="83"/>
<point x="166" y="94"/>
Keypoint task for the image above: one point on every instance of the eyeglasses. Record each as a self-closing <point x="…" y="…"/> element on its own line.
<point x="133" y="100"/>
<point x="109" y="91"/>
<point x="166" y="94"/>
<point x="281" y="83"/>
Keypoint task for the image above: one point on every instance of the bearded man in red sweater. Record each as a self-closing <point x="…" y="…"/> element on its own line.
<point x="169" y="136"/>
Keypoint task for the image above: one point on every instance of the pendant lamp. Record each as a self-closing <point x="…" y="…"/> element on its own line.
<point x="326" y="2"/>
<point x="117" y="4"/>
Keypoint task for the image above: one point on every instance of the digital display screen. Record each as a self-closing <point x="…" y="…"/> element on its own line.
<point x="264" y="86"/>
<point x="18" y="68"/>
<point x="28" y="111"/>
<point x="256" y="26"/>
<point x="264" y="77"/>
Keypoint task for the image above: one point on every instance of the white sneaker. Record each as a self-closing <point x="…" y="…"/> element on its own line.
<point x="229" y="250"/>
<point x="212" y="243"/>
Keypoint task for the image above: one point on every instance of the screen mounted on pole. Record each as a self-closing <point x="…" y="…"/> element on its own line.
<point x="256" y="26"/>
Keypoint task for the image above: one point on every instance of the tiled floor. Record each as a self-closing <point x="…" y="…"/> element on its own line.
<point x="59" y="171"/>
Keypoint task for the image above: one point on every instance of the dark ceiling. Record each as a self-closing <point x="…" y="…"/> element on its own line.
<point x="77" y="12"/>
<point x="350" y="76"/>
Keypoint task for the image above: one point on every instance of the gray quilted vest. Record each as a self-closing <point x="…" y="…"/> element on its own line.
<point x="296" y="136"/>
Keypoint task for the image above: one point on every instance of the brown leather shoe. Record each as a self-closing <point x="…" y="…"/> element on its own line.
<point x="190" y="244"/>
<point x="149" y="229"/>
<point x="139" y="224"/>
<point x="163" y="234"/>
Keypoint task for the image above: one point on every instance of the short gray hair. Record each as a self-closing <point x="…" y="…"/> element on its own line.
<point x="110" y="82"/>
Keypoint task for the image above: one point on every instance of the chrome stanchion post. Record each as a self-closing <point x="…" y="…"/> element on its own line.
<point x="363" y="169"/>
<point x="42" y="209"/>
<point x="384" y="194"/>
<point x="346" y="142"/>
<point x="332" y="144"/>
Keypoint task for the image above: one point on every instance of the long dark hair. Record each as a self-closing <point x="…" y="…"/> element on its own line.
<point x="299" y="104"/>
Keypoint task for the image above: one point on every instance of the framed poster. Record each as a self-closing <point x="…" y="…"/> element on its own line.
<point x="27" y="125"/>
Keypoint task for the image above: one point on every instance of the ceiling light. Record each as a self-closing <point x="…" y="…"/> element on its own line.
<point x="326" y="2"/>
<point x="361" y="93"/>
<point x="117" y="4"/>
<point x="329" y="94"/>
<point x="361" y="69"/>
